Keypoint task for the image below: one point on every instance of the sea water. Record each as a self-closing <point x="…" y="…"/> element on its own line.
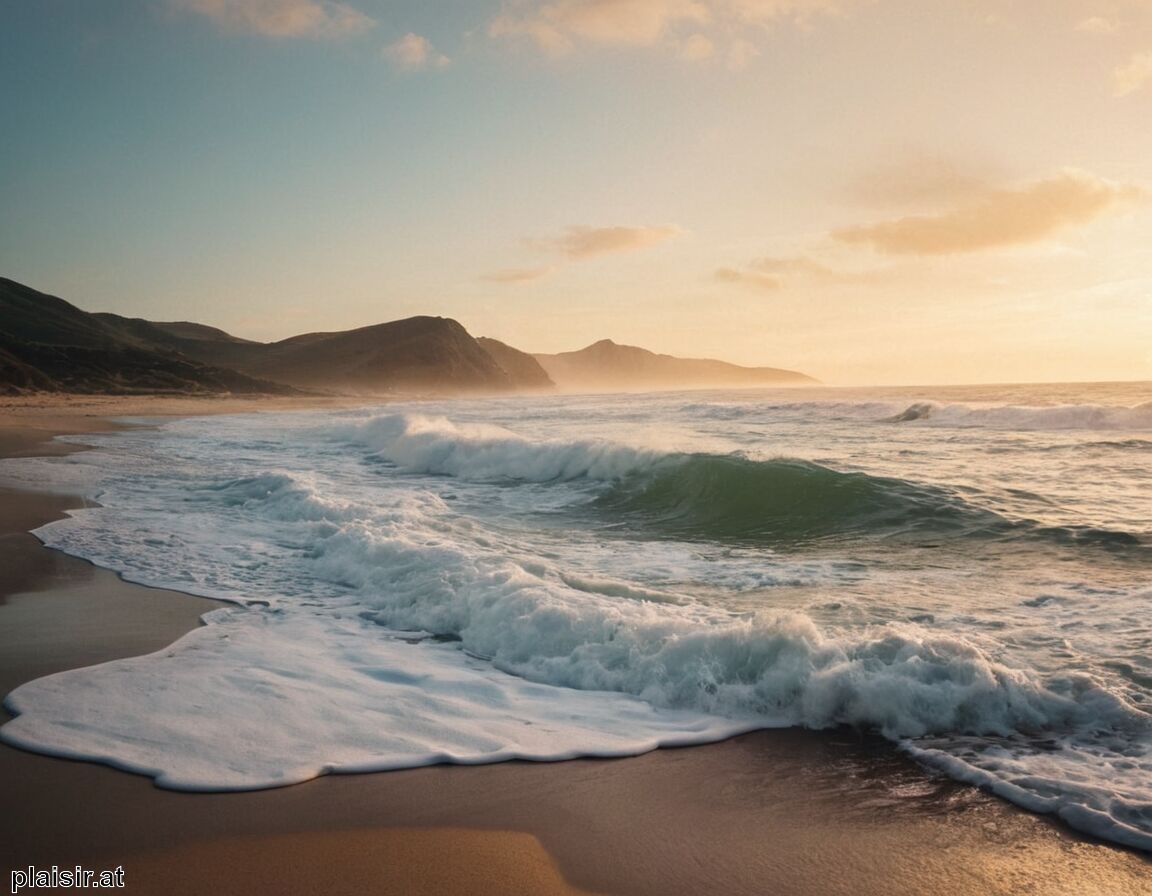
<point x="963" y="570"/>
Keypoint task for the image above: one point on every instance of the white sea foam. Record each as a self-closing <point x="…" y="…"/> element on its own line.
<point x="482" y="452"/>
<point x="260" y="698"/>
<point x="1094" y="786"/>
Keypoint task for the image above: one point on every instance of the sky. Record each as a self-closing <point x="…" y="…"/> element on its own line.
<point x="870" y="191"/>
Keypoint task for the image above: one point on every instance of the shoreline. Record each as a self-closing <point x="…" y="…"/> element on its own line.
<point x="785" y="811"/>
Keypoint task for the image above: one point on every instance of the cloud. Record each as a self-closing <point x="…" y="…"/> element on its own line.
<point x="755" y="279"/>
<point x="518" y="275"/>
<point x="579" y="243"/>
<point x="559" y="26"/>
<point x="741" y="53"/>
<point x="413" y="53"/>
<point x="1098" y="25"/>
<point x="793" y="265"/>
<point x="798" y="11"/>
<point x="282" y="18"/>
<point x="1003" y="217"/>
<point x="911" y="176"/>
<point x="582" y="243"/>
<point x="696" y="48"/>
<point x="1134" y="75"/>
<point x="776" y="272"/>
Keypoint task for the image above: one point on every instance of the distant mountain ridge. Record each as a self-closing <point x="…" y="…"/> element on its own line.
<point x="607" y="365"/>
<point x="48" y="344"/>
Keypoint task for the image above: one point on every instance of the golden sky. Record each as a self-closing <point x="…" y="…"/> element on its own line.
<point x="872" y="191"/>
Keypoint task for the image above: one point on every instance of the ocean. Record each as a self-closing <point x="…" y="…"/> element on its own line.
<point x="964" y="570"/>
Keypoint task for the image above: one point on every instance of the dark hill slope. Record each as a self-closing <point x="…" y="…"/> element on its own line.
<point x="416" y="354"/>
<point x="28" y="316"/>
<point x="423" y="354"/>
<point x="48" y="344"/>
<point x="524" y="369"/>
<point x="195" y="341"/>
<point x="185" y="329"/>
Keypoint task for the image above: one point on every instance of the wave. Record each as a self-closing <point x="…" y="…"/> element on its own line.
<point x="591" y="674"/>
<point x="1105" y="445"/>
<point x="695" y="496"/>
<point x="485" y="453"/>
<point x="698" y="496"/>
<point x="355" y="570"/>
<point x="783" y="500"/>
<point x="1060" y="417"/>
<point x="412" y="567"/>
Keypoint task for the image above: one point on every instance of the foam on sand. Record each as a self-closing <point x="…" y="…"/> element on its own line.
<point x="258" y="698"/>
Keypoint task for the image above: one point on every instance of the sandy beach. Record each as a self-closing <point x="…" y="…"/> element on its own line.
<point x="783" y="812"/>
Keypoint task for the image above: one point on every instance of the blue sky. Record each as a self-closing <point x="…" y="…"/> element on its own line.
<point x="758" y="180"/>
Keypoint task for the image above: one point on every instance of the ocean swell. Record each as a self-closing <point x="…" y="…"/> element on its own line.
<point x="786" y="501"/>
<point x="783" y="502"/>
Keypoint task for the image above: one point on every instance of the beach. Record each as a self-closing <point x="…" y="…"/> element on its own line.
<point x="781" y="811"/>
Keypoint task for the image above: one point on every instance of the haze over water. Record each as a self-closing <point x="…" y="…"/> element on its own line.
<point x="962" y="569"/>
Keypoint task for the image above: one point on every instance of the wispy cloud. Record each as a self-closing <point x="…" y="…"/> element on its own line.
<point x="1134" y="75"/>
<point x="413" y="53"/>
<point x="795" y="265"/>
<point x="578" y="243"/>
<point x="282" y="18"/>
<point x="587" y="242"/>
<point x="912" y="176"/>
<point x="1002" y="217"/>
<point x="749" y="277"/>
<point x="1098" y="25"/>
<point x="560" y="26"/>
<point x="697" y="47"/>
<point x="799" y="11"/>
<point x="518" y="275"/>
<point x="771" y="273"/>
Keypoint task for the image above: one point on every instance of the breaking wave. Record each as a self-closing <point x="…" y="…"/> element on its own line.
<point x="486" y="453"/>
<point x="720" y="497"/>
<point x="1062" y="417"/>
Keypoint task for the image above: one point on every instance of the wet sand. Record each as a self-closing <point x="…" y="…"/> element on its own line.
<point x="781" y="812"/>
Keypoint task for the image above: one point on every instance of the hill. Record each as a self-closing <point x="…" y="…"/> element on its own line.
<point x="524" y="369"/>
<point x="605" y="365"/>
<point x="184" y="329"/>
<point x="48" y="344"/>
<point x="416" y="354"/>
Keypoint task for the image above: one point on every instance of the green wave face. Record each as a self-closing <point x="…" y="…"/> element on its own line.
<point x="730" y="498"/>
